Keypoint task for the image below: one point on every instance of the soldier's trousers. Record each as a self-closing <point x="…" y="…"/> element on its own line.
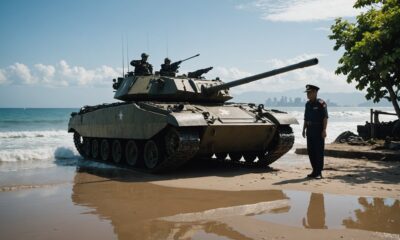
<point x="315" y="147"/>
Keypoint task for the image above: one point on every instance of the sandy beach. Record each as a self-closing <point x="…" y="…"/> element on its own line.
<point x="203" y="201"/>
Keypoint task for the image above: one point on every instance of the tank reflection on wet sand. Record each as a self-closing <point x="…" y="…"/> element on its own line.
<point x="134" y="207"/>
<point x="139" y="210"/>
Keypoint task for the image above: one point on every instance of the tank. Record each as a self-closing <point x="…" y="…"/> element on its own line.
<point x="162" y="122"/>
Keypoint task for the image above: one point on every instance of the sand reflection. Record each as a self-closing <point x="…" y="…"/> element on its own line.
<point x="315" y="212"/>
<point x="139" y="210"/>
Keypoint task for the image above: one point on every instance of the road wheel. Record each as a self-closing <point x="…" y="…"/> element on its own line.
<point x="152" y="154"/>
<point x="235" y="156"/>
<point x="104" y="150"/>
<point x="116" y="151"/>
<point x="78" y="141"/>
<point x="95" y="148"/>
<point x="131" y="153"/>
<point x="86" y="147"/>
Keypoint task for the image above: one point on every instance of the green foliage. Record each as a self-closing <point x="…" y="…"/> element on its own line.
<point x="371" y="49"/>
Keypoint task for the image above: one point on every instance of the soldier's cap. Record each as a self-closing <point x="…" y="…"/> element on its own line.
<point x="167" y="60"/>
<point x="310" y="87"/>
<point x="144" y="55"/>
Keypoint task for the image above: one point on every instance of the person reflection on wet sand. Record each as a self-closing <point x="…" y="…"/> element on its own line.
<point x="316" y="212"/>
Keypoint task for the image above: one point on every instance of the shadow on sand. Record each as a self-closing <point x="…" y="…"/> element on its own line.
<point x="195" y="168"/>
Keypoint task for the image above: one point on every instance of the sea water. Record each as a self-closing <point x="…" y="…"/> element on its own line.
<point x="38" y="138"/>
<point x="34" y="137"/>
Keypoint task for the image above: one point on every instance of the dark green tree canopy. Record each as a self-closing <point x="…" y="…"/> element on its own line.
<point x="372" y="49"/>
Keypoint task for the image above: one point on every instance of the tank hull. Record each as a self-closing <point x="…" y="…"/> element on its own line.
<point x="182" y="131"/>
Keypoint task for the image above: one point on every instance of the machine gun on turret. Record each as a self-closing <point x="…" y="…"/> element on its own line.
<point x="198" y="73"/>
<point x="171" y="69"/>
<point x="216" y="88"/>
<point x="177" y="63"/>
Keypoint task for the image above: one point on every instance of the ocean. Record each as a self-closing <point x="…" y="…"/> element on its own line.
<point x="38" y="137"/>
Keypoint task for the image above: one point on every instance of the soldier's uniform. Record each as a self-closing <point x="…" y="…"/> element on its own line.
<point x="314" y="115"/>
<point x="142" y="67"/>
<point x="168" y="69"/>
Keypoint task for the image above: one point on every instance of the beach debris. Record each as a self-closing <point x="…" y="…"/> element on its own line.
<point x="350" y="138"/>
<point x="392" y="145"/>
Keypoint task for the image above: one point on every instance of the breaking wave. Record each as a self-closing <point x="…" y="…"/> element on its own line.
<point x="22" y="155"/>
<point x="33" y="134"/>
<point x="27" y="121"/>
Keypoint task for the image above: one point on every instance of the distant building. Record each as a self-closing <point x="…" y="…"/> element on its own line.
<point x="291" y="102"/>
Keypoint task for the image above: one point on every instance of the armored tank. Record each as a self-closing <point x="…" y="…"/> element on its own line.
<point x="162" y="122"/>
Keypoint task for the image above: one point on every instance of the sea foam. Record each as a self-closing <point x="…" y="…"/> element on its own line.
<point x="38" y="154"/>
<point x="33" y="134"/>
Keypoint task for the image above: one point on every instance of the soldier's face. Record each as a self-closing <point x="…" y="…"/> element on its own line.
<point x="312" y="94"/>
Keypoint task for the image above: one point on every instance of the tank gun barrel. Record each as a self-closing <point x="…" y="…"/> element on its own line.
<point x="176" y="64"/>
<point x="190" y="57"/>
<point x="307" y="63"/>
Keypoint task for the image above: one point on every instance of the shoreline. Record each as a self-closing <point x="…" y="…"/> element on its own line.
<point x="201" y="201"/>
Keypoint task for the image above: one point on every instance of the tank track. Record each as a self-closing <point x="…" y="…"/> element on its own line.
<point x="189" y="144"/>
<point x="284" y="142"/>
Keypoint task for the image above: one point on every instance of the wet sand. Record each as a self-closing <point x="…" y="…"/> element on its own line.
<point x="341" y="176"/>
<point x="357" y="199"/>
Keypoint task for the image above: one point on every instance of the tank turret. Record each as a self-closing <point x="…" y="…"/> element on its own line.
<point x="188" y="88"/>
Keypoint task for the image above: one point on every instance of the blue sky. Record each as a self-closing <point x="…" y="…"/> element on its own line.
<point x="65" y="53"/>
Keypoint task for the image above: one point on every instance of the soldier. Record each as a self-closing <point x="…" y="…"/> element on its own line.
<point x="142" y="67"/>
<point x="168" y="69"/>
<point x="315" y="123"/>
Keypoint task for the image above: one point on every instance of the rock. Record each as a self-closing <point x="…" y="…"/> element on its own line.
<point x="350" y="138"/>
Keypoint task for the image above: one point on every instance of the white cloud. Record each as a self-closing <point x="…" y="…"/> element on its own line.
<point x="61" y="74"/>
<point x="46" y="71"/>
<point x="21" y="73"/>
<point x="228" y="74"/>
<point x="326" y="79"/>
<point x="302" y="10"/>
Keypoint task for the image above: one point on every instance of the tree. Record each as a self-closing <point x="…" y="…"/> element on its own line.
<point x="372" y="49"/>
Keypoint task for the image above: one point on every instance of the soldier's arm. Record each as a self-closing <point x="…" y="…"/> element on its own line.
<point x="305" y="122"/>
<point x="304" y="128"/>
<point x="175" y="65"/>
<point x="325" y="119"/>
<point x="135" y="62"/>
<point x="324" y="125"/>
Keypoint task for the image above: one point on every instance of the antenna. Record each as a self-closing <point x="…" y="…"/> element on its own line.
<point x="167" y="45"/>
<point x="127" y="52"/>
<point x="123" y="57"/>
<point x="147" y="43"/>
